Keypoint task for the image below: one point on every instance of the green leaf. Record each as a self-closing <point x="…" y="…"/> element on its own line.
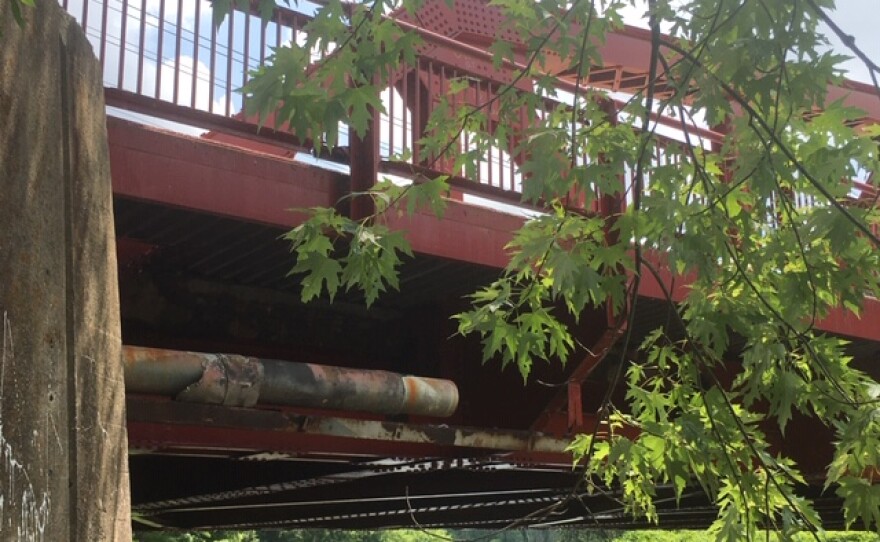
<point x="320" y="272"/>
<point x="220" y="8"/>
<point x="429" y="194"/>
<point x="361" y="103"/>
<point x="267" y="9"/>
<point x="861" y="499"/>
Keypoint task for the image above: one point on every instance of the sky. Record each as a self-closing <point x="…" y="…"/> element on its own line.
<point x="860" y="19"/>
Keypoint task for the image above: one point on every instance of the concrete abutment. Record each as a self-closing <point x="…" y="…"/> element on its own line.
<point x="63" y="447"/>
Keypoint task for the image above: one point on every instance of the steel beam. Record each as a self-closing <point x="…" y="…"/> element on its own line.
<point x="164" y="424"/>
<point x="839" y="320"/>
<point x="364" y="162"/>
<point x="193" y="173"/>
<point x="572" y="392"/>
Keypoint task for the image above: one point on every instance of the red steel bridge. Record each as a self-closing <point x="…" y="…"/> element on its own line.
<point x="201" y="197"/>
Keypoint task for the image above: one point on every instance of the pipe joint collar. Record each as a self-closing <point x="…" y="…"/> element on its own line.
<point x="228" y="380"/>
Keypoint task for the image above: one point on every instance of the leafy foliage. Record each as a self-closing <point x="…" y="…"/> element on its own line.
<point x="558" y="257"/>
<point x="758" y="221"/>
<point x="360" y="50"/>
<point x="369" y="264"/>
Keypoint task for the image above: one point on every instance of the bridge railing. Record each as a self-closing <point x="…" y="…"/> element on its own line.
<point x="414" y="96"/>
<point x="493" y="169"/>
<point x="166" y="58"/>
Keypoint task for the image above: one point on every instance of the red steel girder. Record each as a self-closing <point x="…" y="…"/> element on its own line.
<point x="839" y="321"/>
<point x="180" y="171"/>
<point x="170" y="425"/>
<point x="155" y="165"/>
<point x="364" y="161"/>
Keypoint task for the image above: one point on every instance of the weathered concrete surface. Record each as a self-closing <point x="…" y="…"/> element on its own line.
<point x="63" y="464"/>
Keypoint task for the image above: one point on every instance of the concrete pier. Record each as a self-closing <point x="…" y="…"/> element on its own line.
<point x="63" y="448"/>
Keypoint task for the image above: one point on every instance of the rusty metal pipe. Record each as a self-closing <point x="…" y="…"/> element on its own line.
<point x="244" y="381"/>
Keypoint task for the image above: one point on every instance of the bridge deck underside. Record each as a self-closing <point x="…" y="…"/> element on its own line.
<point x="291" y="493"/>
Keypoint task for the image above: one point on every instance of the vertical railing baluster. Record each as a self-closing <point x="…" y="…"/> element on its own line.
<point x="177" y="37"/>
<point x="435" y="93"/>
<point x="408" y="123"/>
<point x="455" y="150"/>
<point x="524" y="121"/>
<point x="229" y="47"/>
<point x="404" y="111"/>
<point x="212" y="69"/>
<point x="429" y="107"/>
<point x="417" y="112"/>
<point x="263" y="26"/>
<point x="159" y="51"/>
<point x="103" y="36"/>
<point x="497" y="157"/>
<point x="463" y="146"/>
<point x="510" y="150"/>
<point x="196" y="46"/>
<point x="489" y="114"/>
<point x="141" y="51"/>
<point x="450" y="166"/>
<point x="85" y="16"/>
<point x="278" y="28"/>
<point x="247" y="60"/>
<point x="391" y="121"/>
<point x="120" y="79"/>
